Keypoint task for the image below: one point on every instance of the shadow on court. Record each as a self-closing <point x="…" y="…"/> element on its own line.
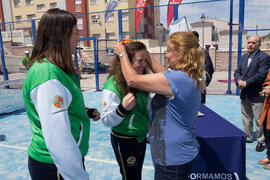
<point x="2" y="137"/>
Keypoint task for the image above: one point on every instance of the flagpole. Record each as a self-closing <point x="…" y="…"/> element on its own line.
<point x="186" y="23"/>
<point x="135" y="23"/>
<point x="106" y="45"/>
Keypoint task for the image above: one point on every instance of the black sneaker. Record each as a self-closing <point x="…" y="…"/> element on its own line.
<point x="260" y="147"/>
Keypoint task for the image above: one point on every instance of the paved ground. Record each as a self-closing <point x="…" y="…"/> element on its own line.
<point x="15" y="149"/>
<point x="100" y="161"/>
<point x="217" y="87"/>
<point x="88" y="81"/>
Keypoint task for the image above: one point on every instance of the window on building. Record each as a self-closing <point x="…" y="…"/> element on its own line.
<point x="96" y="35"/>
<point x="126" y="35"/>
<point x="53" y="5"/>
<point x="111" y="18"/>
<point x="40" y="7"/>
<point x="18" y="18"/>
<point x="30" y="16"/>
<point x="80" y="23"/>
<point x="125" y="16"/>
<point x="78" y="5"/>
<point x="16" y="3"/>
<point x="214" y="33"/>
<point x="215" y="36"/>
<point x="93" y="2"/>
<point x="95" y="19"/>
<point x="110" y="36"/>
<point x="27" y="2"/>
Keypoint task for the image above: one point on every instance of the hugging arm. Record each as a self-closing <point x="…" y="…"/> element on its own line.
<point x="156" y="82"/>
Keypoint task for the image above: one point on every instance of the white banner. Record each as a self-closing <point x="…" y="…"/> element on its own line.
<point x="179" y="25"/>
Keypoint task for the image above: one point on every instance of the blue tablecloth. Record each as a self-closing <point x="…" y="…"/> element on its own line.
<point x="222" y="148"/>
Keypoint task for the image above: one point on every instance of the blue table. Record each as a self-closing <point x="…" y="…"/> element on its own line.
<point x="222" y="148"/>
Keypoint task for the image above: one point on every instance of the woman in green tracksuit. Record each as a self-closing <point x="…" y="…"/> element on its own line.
<point x="54" y="103"/>
<point x="125" y="111"/>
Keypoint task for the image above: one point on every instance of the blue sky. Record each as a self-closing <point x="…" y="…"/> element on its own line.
<point x="257" y="12"/>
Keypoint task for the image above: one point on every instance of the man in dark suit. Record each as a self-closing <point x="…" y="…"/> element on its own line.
<point x="209" y="69"/>
<point x="249" y="76"/>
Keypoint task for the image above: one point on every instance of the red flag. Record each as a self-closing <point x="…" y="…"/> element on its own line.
<point x="139" y="12"/>
<point x="170" y="13"/>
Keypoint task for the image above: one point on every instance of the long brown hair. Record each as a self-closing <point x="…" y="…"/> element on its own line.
<point x="53" y="40"/>
<point x="115" y="69"/>
<point x="190" y="55"/>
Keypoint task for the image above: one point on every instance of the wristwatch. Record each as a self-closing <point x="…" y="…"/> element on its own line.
<point x="122" y="54"/>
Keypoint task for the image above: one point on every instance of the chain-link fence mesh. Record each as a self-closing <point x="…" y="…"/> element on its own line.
<point x="257" y="20"/>
<point x="151" y="28"/>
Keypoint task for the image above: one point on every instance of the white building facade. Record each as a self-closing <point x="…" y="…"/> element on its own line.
<point x="216" y="33"/>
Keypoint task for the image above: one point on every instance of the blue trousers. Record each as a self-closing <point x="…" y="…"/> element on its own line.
<point x="129" y="154"/>
<point x="179" y="172"/>
<point x="43" y="171"/>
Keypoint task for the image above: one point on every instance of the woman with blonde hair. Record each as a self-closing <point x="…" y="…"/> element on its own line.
<point x="175" y="105"/>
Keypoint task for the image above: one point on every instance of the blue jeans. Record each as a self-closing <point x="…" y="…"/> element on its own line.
<point x="179" y="172"/>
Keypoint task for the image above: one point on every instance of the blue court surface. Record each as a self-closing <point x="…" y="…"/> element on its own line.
<point x="100" y="163"/>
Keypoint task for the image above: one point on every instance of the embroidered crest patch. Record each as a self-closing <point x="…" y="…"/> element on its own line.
<point x="131" y="160"/>
<point x="58" y="101"/>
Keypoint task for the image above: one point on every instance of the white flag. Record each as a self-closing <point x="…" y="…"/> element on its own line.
<point x="179" y="25"/>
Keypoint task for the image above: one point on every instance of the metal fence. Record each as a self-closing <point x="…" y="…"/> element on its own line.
<point x="223" y="27"/>
<point x="257" y="20"/>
